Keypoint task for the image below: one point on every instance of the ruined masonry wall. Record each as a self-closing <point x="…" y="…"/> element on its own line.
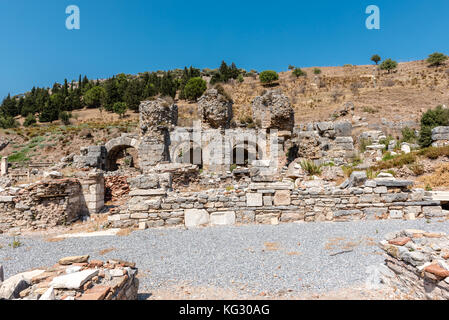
<point x="270" y="203"/>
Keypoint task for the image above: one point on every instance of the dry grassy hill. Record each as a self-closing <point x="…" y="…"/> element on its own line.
<point x="402" y="95"/>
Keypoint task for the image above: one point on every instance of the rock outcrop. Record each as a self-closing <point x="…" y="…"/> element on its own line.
<point x="157" y="114"/>
<point x="215" y="109"/>
<point x="273" y="110"/>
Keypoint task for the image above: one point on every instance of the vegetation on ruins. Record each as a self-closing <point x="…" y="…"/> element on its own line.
<point x="310" y="167"/>
<point x="429" y="120"/>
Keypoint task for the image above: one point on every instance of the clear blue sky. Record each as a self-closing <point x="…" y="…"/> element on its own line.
<point x="135" y="36"/>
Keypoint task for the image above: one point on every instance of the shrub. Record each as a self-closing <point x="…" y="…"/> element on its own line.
<point x="65" y="116"/>
<point x="388" y="65"/>
<point x="429" y="120"/>
<point x="120" y="108"/>
<point x="396" y="162"/>
<point x="376" y="59"/>
<point x="95" y="97"/>
<point x="29" y="120"/>
<point x="408" y="135"/>
<point x="434" y="152"/>
<point x="240" y="78"/>
<point x="310" y="167"/>
<point x="317" y="71"/>
<point x="8" y="122"/>
<point x="436" y="59"/>
<point x="417" y="169"/>
<point x="299" y="73"/>
<point x="268" y="76"/>
<point x="195" y="88"/>
<point x="364" y="143"/>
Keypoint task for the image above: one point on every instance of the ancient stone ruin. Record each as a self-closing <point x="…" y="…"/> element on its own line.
<point x="75" y="278"/>
<point x="418" y="261"/>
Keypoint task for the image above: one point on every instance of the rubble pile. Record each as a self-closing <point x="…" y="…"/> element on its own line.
<point x="420" y="262"/>
<point x="75" y="278"/>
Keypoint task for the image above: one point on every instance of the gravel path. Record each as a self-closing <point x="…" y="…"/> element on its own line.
<point x="252" y="258"/>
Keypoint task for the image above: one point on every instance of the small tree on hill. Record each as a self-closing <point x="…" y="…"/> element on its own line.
<point x="317" y="71"/>
<point x="388" y="65"/>
<point x="376" y="59"/>
<point x="436" y="59"/>
<point x="194" y="88"/>
<point x="120" y="108"/>
<point x="95" y="97"/>
<point x="299" y="73"/>
<point x="268" y="76"/>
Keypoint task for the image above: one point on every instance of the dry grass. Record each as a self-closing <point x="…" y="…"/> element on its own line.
<point x="440" y="178"/>
<point x="271" y="246"/>
<point x="125" y="232"/>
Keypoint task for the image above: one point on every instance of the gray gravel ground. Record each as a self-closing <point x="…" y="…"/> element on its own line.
<point x="230" y="257"/>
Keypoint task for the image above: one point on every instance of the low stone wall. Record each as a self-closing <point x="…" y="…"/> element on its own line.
<point x="152" y="205"/>
<point x="440" y="136"/>
<point x="419" y="261"/>
<point x="75" y="278"/>
<point x="50" y="202"/>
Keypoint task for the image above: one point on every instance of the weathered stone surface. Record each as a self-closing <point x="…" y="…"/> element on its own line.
<point x="222" y="218"/>
<point x="157" y="113"/>
<point x="12" y="286"/>
<point x="282" y="198"/>
<point x="254" y="200"/>
<point x="73" y="280"/>
<point x="74" y="259"/>
<point x="273" y="110"/>
<point x="196" y="217"/>
<point x="215" y="109"/>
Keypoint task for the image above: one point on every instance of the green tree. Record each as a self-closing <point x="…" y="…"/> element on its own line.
<point x="29" y="120"/>
<point x="317" y="71"/>
<point x="120" y="108"/>
<point x="429" y="120"/>
<point x="376" y="59"/>
<point x="133" y="95"/>
<point x="299" y="73"/>
<point x="388" y="65"/>
<point x="436" y="59"/>
<point x="268" y="76"/>
<point x="65" y="116"/>
<point x="95" y="97"/>
<point x="194" y="88"/>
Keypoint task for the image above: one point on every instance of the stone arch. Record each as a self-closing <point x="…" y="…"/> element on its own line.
<point x="116" y="147"/>
<point x="244" y="152"/>
<point x="187" y="152"/>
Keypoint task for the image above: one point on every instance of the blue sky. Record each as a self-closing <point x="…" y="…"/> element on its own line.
<point x="135" y="36"/>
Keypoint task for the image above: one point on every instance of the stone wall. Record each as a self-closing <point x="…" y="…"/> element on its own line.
<point x="419" y="261"/>
<point x="152" y="204"/>
<point x="75" y="278"/>
<point x="50" y="202"/>
<point x="440" y="136"/>
<point x="325" y="141"/>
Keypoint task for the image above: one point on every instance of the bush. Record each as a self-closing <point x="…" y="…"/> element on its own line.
<point x="95" y="97"/>
<point x="434" y="152"/>
<point x="376" y="59"/>
<point x="195" y="88"/>
<point x="429" y="120"/>
<point x="408" y="135"/>
<point x="120" y="108"/>
<point x="240" y="78"/>
<point x="268" y="76"/>
<point x="299" y="73"/>
<point x="29" y="120"/>
<point x="8" y="122"/>
<point x="65" y="116"/>
<point x="317" y="71"/>
<point x="388" y="65"/>
<point x="436" y="59"/>
<point x="310" y="167"/>
<point x="396" y="162"/>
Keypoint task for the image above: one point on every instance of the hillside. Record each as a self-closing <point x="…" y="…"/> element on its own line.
<point x="378" y="96"/>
